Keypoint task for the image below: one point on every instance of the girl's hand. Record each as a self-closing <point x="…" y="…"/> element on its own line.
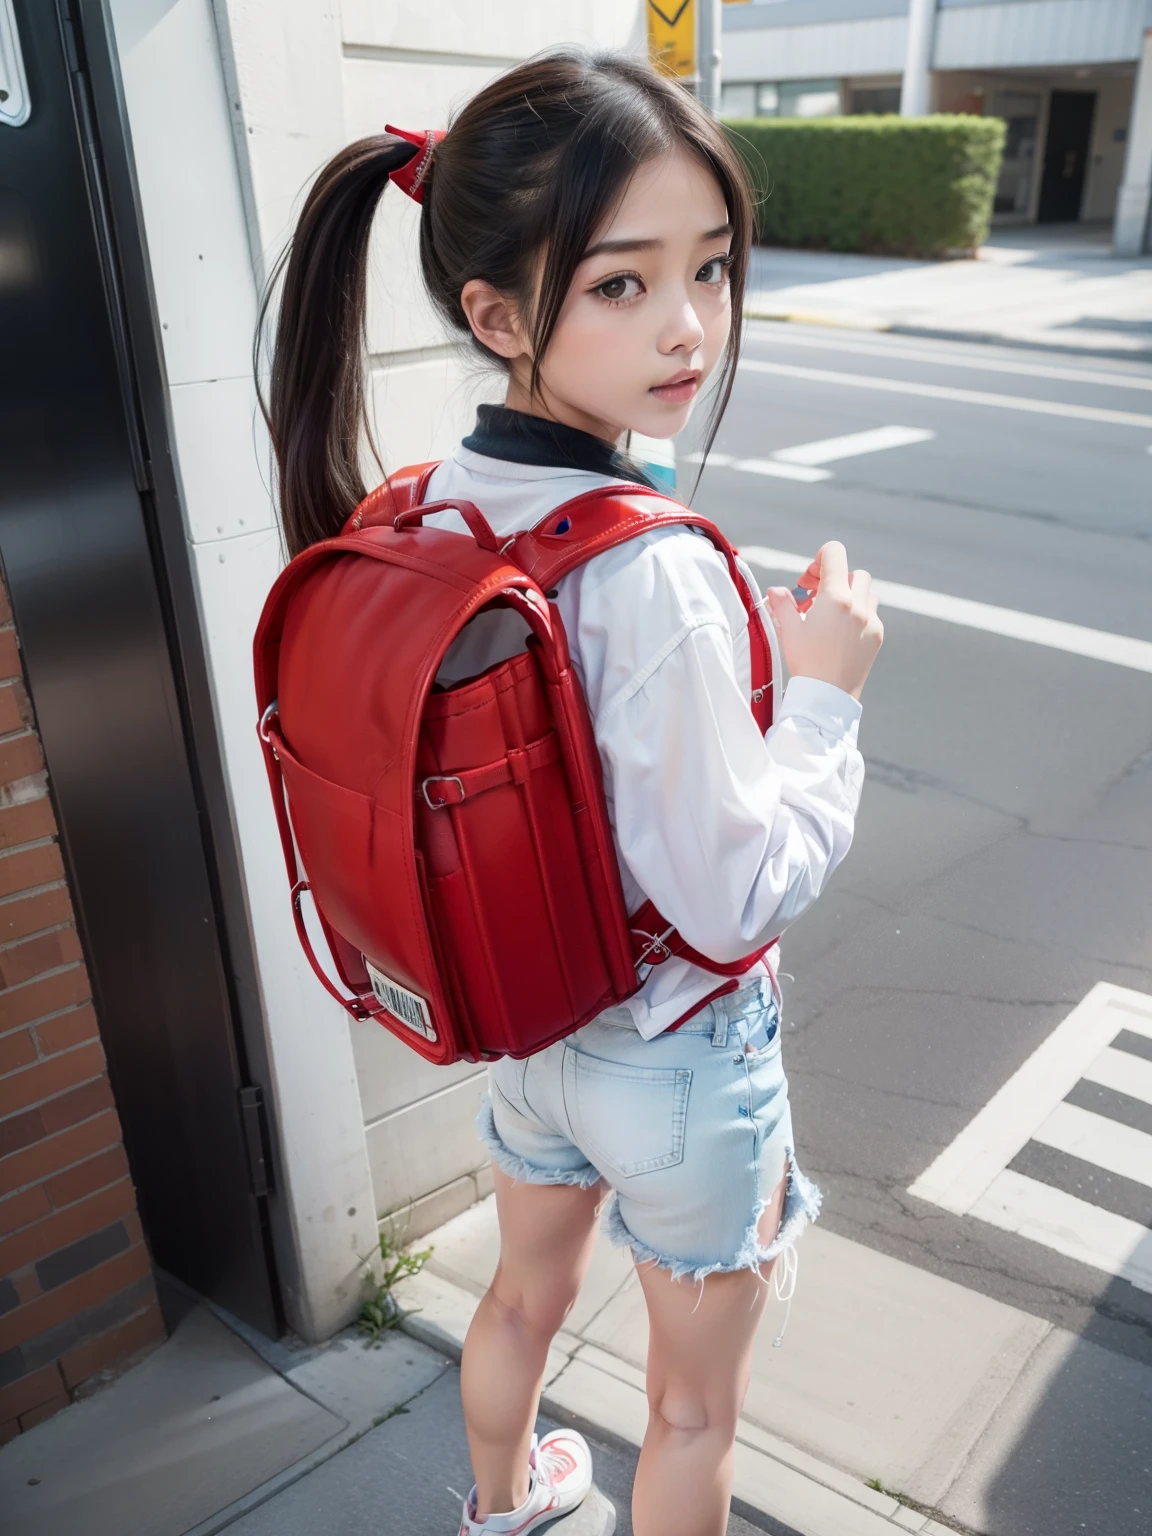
<point x="837" y="639"/>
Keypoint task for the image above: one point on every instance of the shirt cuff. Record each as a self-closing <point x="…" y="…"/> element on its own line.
<point x="833" y="712"/>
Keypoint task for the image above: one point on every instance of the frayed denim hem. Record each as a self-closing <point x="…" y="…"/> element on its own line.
<point x="802" y="1201"/>
<point x="518" y="1168"/>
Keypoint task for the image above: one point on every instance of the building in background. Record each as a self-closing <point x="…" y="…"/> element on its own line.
<point x="1072" y="78"/>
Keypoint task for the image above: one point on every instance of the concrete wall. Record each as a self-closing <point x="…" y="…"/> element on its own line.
<point x="234" y="105"/>
<point x="1106" y="156"/>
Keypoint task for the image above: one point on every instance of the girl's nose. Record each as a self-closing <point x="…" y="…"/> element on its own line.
<point x="681" y="329"/>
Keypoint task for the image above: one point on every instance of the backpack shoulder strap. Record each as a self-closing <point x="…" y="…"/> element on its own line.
<point x="601" y="519"/>
<point x="397" y="493"/>
<point x="567" y="538"/>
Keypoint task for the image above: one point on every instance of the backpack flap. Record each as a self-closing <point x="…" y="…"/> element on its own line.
<point x="348" y="652"/>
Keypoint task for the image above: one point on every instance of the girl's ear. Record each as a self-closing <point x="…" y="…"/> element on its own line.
<point x="495" y="320"/>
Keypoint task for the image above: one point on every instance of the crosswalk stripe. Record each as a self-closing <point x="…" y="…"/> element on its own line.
<point x="829" y="449"/>
<point x="1123" y="1072"/>
<point x="1096" y="1139"/>
<point x="1076" y="639"/>
<point x="1071" y="1118"/>
<point x="1073" y="1227"/>
<point x="1138" y="1019"/>
<point x="990" y="1141"/>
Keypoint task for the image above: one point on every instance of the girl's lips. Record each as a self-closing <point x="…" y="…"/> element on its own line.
<point x="677" y="390"/>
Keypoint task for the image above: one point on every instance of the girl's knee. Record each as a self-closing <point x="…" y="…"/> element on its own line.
<point x="538" y="1311"/>
<point x="687" y="1409"/>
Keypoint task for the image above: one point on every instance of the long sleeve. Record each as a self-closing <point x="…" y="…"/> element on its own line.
<point x="731" y="834"/>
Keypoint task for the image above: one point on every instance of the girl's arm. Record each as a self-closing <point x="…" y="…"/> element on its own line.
<point x="731" y="834"/>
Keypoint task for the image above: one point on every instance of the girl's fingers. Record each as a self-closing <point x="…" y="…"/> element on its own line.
<point x="780" y="598"/>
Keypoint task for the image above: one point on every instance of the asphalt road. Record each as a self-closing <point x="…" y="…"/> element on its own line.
<point x="1003" y="860"/>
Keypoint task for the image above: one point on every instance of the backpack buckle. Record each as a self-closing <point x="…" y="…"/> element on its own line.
<point x="655" y="952"/>
<point x="454" y="799"/>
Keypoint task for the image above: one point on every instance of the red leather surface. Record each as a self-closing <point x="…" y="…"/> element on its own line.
<point x="496" y="896"/>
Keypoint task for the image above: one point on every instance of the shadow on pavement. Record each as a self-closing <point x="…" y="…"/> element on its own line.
<point x="1071" y="1450"/>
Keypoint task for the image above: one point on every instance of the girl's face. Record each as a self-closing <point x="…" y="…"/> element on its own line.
<point x="648" y="314"/>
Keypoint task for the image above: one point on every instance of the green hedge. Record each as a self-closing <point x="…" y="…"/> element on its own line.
<point x="919" y="186"/>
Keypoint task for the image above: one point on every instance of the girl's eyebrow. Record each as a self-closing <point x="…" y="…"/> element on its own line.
<point x="604" y="247"/>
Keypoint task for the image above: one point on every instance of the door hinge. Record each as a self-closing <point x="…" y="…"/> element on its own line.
<point x="255" y="1125"/>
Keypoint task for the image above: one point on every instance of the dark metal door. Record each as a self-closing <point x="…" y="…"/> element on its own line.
<point x="91" y="576"/>
<point x="1066" y="156"/>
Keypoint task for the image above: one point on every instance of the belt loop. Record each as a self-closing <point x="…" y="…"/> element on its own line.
<point x="719" y="1024"/>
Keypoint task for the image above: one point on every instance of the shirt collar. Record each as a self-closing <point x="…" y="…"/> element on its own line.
<point x="519" y="438"/>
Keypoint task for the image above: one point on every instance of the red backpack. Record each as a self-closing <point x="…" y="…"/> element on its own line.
<point x="455" y="840"/>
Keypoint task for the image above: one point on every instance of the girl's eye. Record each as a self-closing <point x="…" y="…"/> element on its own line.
<point x="714" y="271"/>
<point x="618" y="289"/>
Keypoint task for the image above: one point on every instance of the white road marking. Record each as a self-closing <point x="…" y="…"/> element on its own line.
<point x="1072" y="1227"/>
<point x="781" y="470"/>
<point x="964" y="1170"/>
<point x="786" y="336"/>
<point x="946" y="392"/>
<point x="1077" y="639"/>
<point x="1124" y="1073"/>
<point x="829" y="449"/>
<point x="1081" y="1133"/>
<point x="762" y="467"/>
<point x="800" y="462"/>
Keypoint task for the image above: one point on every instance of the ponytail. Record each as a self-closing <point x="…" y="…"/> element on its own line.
<point x="529" y="171"/>
<point x="315" y="407"/>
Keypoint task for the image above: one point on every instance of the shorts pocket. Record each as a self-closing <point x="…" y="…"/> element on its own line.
<point x="762" y="1035"/>
<point x="627" y="1120"/>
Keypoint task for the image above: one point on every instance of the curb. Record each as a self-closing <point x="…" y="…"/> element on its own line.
<point x="861" y="320"/>
<point x="590" y="1388"/>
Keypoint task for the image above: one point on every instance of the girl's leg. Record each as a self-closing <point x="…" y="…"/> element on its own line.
<point x="547" y="1233"/>
<point x="699" y="1363"/>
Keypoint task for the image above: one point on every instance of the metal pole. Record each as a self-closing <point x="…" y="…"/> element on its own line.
<point x="1130" y="231"/>
<point x="914" y="91"/>
<point x="708" y="52"/>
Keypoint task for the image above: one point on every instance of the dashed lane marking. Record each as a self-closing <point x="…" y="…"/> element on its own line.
<point x="948" y="392"/>
<point x="780" y="470"/>
<point x="977" y="358"/>
<point x="853" y="444"/>
<point x="1031" y="1118"/>
<point x="804" y="460"/>
<point x="1077" y="639"/>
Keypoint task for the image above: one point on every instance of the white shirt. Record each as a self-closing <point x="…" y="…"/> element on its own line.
<point x="732" y="835"/>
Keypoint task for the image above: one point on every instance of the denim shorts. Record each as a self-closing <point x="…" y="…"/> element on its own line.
<point x="692" y="1131"/>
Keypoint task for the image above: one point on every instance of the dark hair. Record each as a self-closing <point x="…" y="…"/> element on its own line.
<point x="530" y="169"/>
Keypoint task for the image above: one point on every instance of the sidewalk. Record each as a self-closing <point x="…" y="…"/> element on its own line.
<point x="1056" y="287"/>
<point x="980" y="1417"/>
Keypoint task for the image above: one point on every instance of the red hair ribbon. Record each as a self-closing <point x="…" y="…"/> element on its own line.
<point x="410" y="178"/>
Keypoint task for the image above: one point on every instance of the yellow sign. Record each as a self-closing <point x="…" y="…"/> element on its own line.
<point x="672" y="36"/>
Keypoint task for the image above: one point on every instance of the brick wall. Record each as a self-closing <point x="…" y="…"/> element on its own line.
<point x="77" y="1296"/>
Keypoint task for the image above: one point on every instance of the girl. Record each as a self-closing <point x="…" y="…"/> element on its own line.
<point x="587" y="225"/>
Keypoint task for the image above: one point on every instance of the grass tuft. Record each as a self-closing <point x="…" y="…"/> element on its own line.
<point x="381" y="1312"/>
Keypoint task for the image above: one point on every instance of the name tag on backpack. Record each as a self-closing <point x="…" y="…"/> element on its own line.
<point x="408" y="1007"/>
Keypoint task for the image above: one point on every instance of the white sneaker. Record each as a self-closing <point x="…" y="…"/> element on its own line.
<point x="561" y="1475"/>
